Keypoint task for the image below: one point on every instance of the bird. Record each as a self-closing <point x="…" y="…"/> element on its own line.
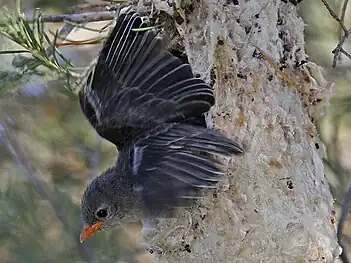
<point x="148" y="103"/>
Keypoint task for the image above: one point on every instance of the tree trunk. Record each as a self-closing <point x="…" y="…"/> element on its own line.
<point x="275" y="204"/>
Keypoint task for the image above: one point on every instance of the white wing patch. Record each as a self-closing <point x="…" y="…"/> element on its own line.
<point x="137" y="156"/>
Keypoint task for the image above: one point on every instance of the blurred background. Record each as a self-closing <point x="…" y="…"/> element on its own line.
<point x="48" y="150"/>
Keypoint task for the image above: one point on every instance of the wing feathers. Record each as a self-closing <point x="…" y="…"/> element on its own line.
<point x="140" y="58"/>
<point x="137" y="84"/>
<point x="139" y="97"/>
<point x="176" y="164"/>
<point x="116" y="47"/>
<point x="166" y="75"/>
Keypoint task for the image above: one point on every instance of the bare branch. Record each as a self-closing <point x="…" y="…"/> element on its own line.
<point x="335" y="16"/>
<point x="79" y="18"/>
<point x="4" y="52"/>
<point x="343" y="10"/>
<point x="338" y="50"/>
<point x="80" y="8"/>
<point x="345" y="52"/>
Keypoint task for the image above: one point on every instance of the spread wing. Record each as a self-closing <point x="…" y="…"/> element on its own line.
<point x="171" y="166"/>
<point x="137" y="85"/>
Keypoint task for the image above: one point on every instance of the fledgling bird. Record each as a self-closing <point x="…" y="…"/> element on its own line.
<point x="147" y="102"/>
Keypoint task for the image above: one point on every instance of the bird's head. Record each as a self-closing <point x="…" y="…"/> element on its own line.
<point x="100" y="207"/>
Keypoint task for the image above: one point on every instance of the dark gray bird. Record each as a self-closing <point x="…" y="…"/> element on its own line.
<point x="148" y="103"/>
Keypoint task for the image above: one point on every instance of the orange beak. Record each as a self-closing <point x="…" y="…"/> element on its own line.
<point x="87" y="230"/>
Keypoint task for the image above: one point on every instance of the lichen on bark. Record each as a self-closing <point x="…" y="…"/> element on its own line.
<point x="274" y="204"/>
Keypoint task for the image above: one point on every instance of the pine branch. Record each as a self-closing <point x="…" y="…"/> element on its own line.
<point x="32" y="38"/>
<point x="45" y="54"/>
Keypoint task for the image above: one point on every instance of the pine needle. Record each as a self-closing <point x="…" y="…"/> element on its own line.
<point x="35" y="41"/>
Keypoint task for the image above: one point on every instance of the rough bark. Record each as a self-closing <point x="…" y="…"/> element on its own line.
<point x="275" y="204"/>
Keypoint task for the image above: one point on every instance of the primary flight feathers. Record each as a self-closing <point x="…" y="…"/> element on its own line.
<point x="137" y="85"/>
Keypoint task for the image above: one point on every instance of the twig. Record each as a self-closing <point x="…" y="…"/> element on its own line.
<point x="339" y="49"/>
<point x="4" y="52"/>
<point x="76" y="18"/>
<point x="344" y="52"/>
<point x="93" y="8"/>
<point x="343" y="11"/>
<point x="335" y="16"/>
<point x="80" y="18"/>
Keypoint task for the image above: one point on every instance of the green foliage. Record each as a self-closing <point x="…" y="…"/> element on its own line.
<point x="44" y="56"/>
<point x="36" y="228"/>
<point x="32" y="37"/>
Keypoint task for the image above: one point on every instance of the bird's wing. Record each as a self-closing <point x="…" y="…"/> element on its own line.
<point x="137" y="85"/>
<point x="171" y="166"/>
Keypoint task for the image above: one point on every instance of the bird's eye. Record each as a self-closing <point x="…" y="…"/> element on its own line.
<point x="101" y="213"/>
